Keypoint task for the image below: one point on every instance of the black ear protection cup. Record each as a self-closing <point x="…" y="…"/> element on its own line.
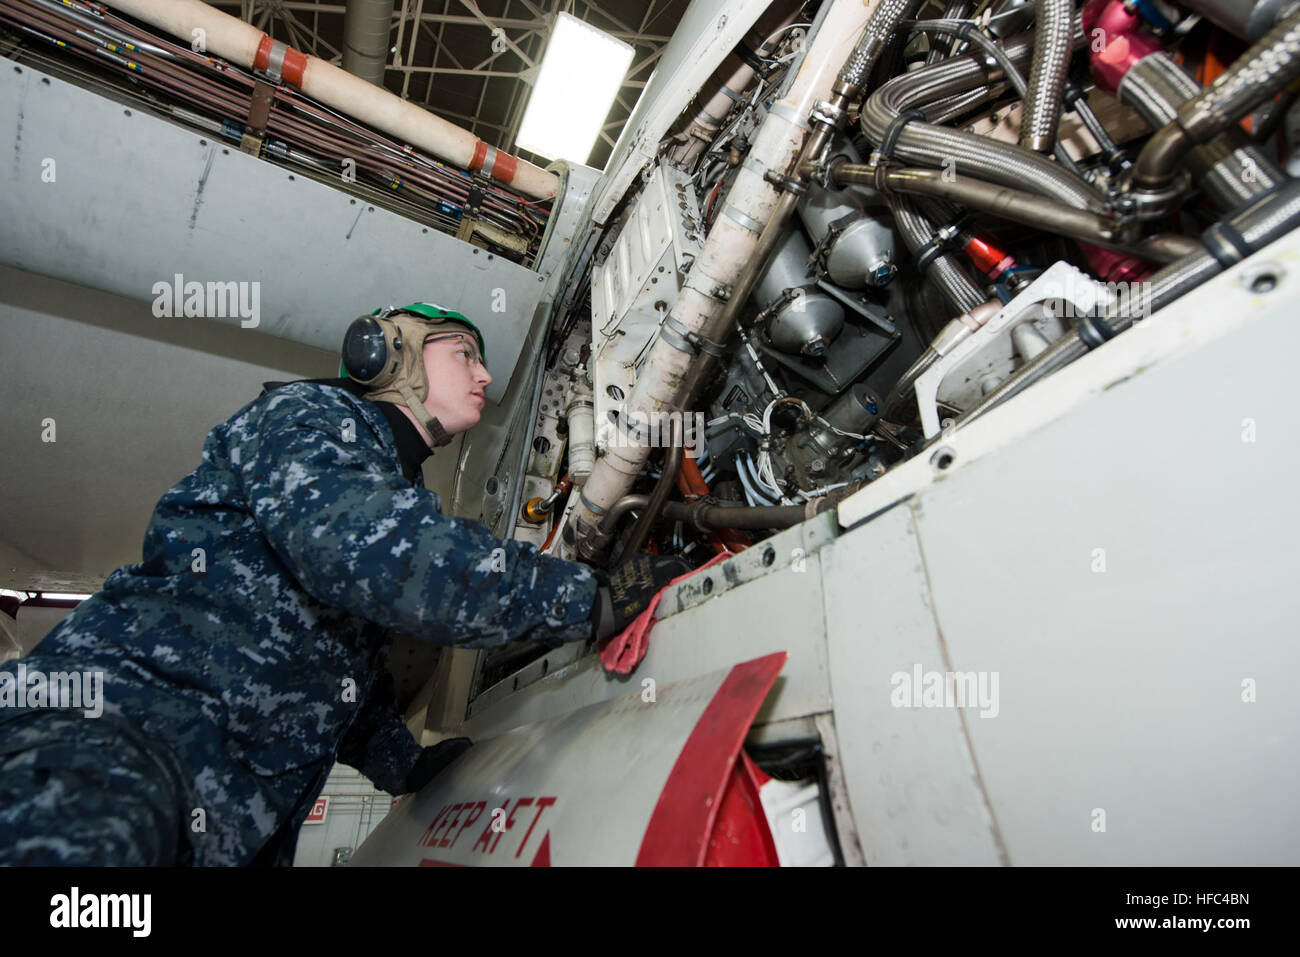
<point x="370" y="351"/>
<point x="373" y="356"/>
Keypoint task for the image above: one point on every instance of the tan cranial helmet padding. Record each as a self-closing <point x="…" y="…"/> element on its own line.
<point x="408" y="384"/>
<point x="409" y="357"/>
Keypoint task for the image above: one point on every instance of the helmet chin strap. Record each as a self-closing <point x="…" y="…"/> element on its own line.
<point x="430" y="423"/>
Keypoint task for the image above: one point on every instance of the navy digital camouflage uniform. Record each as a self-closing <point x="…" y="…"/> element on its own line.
<point x="229" y="692"/>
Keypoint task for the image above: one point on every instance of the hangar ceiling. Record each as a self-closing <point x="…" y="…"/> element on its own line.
<point x="448" y="56"/>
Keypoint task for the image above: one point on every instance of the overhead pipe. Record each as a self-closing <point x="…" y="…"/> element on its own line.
<point x="243" y="44"/>
<point x="366" y="25"/>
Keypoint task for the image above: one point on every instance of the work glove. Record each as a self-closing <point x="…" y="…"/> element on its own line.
<point x="432" y="760"/>
<point x="629" y="587"/>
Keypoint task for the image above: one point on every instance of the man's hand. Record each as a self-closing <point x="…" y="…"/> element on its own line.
<point x="632" y="583"/>
<point x="432" y="760"/>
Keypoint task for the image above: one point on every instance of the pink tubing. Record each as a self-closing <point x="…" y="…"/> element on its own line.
<point x="1119" y="44"/>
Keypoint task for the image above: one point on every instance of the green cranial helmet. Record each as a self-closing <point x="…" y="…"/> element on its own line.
<point x="435" y="314"/>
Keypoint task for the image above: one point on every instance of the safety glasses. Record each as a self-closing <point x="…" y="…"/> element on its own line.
<point x="471" y="347"/>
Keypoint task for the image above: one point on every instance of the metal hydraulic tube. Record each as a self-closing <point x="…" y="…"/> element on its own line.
<point x="724" y="271"/>
<point x="945" y="270"/>
<point x="1259" y="73"/>
<point x="1247" y="19"/>
<point x="708" y="517"/>
<point x="667" y="482"/>
<point x="955" y="332"/>
<point x="921" y="143"/>
<point x="1247" y="231"/>
<point x="1046" y="87"/>
<point x="1020" y="207"/>
<point x="1229" y="168"/>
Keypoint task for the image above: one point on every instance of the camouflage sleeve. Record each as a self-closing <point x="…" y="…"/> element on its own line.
<point x="378" y="744"/>
<point x="359" y="537"/>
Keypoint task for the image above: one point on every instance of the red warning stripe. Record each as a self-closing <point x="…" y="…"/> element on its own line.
<point x="263" y="57"/>
<point x="503" y="168"/>
<point x="295" y="63"/>
<point x="679" y="828"/>
<point x="291" y="70"/>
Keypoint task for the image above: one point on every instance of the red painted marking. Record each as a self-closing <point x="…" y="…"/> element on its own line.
<point x="439" y="819"/>
<point x="683" y="819"/>
<point x="509" y="823"/>
<point x="486" y="837"/>
<point x="542" y="805"/>
<point x="741" y="836"/>
<point x="318" y="811"/>
<point x="444" y="832"/>
<point x="478" y="812"/>
<point x="480" y="154"/>
<point x="430" y="862"/>
<point x="450" y="823"/>
<point x="543" y="858"/>
<point x="510" y="819"/>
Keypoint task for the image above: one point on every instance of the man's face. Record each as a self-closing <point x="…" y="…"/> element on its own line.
<point x="457" y="378"/>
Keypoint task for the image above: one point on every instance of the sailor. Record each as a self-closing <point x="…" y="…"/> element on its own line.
<point x="244" y="654"/>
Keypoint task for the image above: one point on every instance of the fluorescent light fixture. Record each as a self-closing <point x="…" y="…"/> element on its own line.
<point x="579" y="78"/>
